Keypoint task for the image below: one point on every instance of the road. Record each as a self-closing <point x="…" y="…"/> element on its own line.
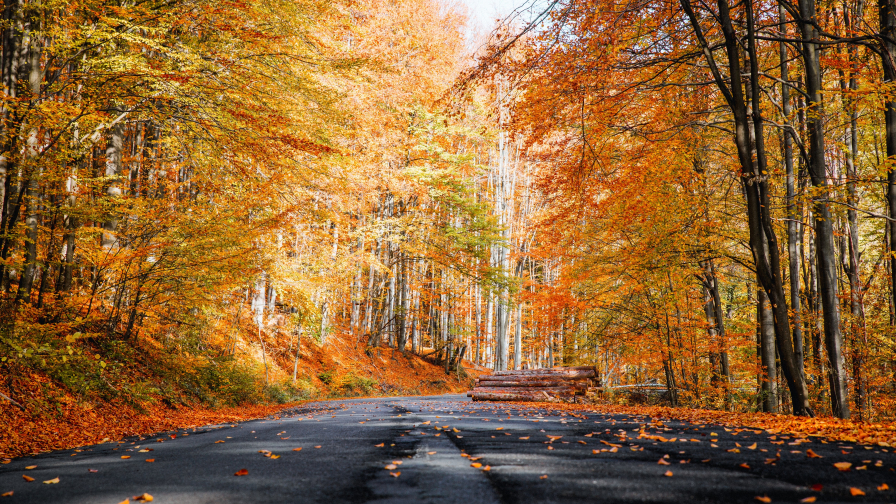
<point x="448" y="449"/>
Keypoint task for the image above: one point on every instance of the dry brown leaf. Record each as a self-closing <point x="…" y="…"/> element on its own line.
<point x="764" y="498"/>
<point x="883" y="487"/>
<point x="525" y="437"/>
<point x="150" y="460"/>
<point x="395" y="474"/>
<point x="52" y="481"/>
<point x="219" y="441"/>
<point x="125" y="456"/>
<point x="31" y="467"/>
<point x="241" y="472"/>
<point x="812" y="454"/>
<point x="27" y="478"/>
<point x="431" y="453"/>
<point x="752" y="446"/>
<point x="275" y="457"/>
<point x="6" y="494"/>
<point x="126" y="501"/>
<point x="668" y="473"/>
<point x="380" y="445"/>
<point x="855" y="492"/>
<point x="477" y="465"/>
<point x="318" y="446"/>
<point x="390" y="467"/>
<point x="663" y="462"/>
<point x="744" y="465"/>
<point x="543" y="476"/>
<point x="808" y="499"/>
<point x="843" y="466"/>
<point x="144" y="498"/>
<point x="487" y="468"/>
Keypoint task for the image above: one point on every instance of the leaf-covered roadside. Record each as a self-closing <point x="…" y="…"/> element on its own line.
<point x="869" y="433"/>
<point x="56" y="418"/>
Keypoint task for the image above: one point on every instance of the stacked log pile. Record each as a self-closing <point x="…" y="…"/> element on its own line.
<point x="545" y="385"/>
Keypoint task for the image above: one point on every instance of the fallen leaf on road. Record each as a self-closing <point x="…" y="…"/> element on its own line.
<point x="150" y="460"/>
<point x="275" y="457"/>
<point x="93" y="470"/>
<point x="474" y="459"/>
<point x="487" y="468"/>
<point x="733" y="450"/>
<point x="855" y="491"/>
<point x="808" y="499"/>
<point x="812" y="454"/>
<point x="31" y="467"/>
<point x="125" y="456"/>
<point x="380" y="445"/>
<point x="705" y="460"/>
<point x="172" y="436"/>
<point x="595" y="451"/>
<point x="764" y="498"/>
<point x="500" y="428"/>
<point x="843" y="466"/>
<point x="431" y="453"/>
<point x="318" y="446"/>
<point x="668" y="473"/>
<point x="550" y="447"/>
<point x="883" y="487"/>
<point x="817" y="487"/>
<point x="126" y="501"/>
<point x="287" y="437"/>
<point x="752" y="446"/>
<point x="477" y="465"/>
<point x="390" y="467"/>
<point x="219" y="441"/>
<point x="6" y="494"/>
<point x="525" y="437"/>
<point x="241" y="472"/>
<point x="543" y="476"/>
<point x="145" y="498"/>
<point x="589" y="435"/>
<point x="395" y="474"/>
<point x="663" y="462"/>
<point x="52" y="481"/>
<point x="27" y="478"/>
<point x="744" y="465"/>
<point x="582" y="442"/>
<point x="297" y="449"/>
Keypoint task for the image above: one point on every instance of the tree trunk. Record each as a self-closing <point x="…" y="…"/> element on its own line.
<point x="824" y="232"/>
<point x="768" y="377"/>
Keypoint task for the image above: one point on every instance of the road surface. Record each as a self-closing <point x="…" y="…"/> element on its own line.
<point x="448" y="449"/>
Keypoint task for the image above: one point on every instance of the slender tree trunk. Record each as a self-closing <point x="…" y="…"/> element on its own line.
<point x="768" y="378"/>
<point x="824" y="232"/>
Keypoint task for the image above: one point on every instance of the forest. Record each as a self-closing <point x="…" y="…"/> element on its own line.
<point x="695" y="196"/>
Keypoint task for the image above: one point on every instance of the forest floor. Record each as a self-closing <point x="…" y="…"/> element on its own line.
<point x="53" y="417"/>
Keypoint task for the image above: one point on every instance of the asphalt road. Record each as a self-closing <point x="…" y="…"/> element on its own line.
<point x="448" y="449"/>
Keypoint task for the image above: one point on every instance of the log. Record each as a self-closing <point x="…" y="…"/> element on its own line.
<point x="567" y="372"/>
<point x="533" y="383"/>
<point x="529" y="397"/>
<point x="534" y="390"/>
